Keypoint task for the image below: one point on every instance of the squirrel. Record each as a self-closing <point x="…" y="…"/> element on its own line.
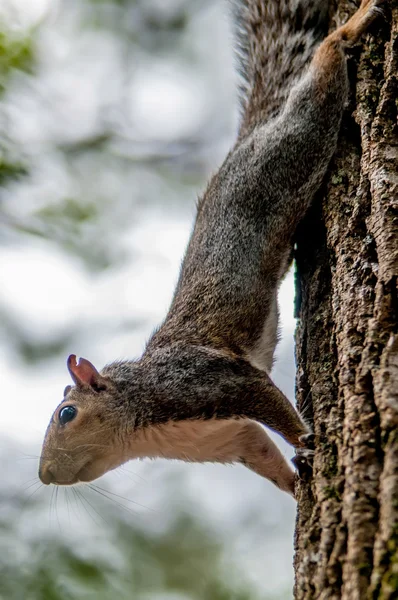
<point x="202" y="391"/>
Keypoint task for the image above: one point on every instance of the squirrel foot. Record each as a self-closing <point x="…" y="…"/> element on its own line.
<point x="350" y="32"/>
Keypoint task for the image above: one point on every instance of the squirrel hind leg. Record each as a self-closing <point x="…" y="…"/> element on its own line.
<point x="350" y="33"/>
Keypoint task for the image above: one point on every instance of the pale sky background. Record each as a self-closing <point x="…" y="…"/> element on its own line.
<point x="49" y="290"/>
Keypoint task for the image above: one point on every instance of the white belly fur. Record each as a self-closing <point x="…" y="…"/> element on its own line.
<point x="262" y="355"/>
<point x="192" y="440"/>
<point x="221" y="441"/>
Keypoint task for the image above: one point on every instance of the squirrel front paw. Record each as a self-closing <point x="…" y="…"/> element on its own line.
<point x="308" y="440"/>
<point x="303" y="462"/>
<point x="304" y="458"/>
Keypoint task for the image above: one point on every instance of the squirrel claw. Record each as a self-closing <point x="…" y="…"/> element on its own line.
<point x="308" y="440"/>
<point x="303" y="462"/>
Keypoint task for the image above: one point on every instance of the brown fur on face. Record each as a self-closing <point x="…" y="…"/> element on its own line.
<point x="89" y="445"/>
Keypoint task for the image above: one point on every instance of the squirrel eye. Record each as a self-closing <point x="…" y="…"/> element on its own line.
<point x="67" y="414"/>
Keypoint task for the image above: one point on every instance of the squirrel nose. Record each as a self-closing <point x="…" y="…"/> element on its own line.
<point x="46" y="475"/>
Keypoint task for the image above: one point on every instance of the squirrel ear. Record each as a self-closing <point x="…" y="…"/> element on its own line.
<point x="84" y="373"/>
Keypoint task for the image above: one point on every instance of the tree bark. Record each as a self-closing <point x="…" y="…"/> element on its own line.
<point x="347" y="343"/>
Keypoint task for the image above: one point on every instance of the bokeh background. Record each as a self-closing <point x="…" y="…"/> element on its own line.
<point x="113" y="114"/>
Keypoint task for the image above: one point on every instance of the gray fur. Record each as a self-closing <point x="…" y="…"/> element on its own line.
<point x="275" y="44"/>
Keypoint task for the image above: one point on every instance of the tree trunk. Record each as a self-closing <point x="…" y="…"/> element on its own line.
<point x="347" y="343"/>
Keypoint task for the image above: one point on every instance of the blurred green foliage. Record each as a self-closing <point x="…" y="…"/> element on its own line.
<point x="93" y="161"/>
<point x="184" y="561"/>
<point x="16" y="52"/>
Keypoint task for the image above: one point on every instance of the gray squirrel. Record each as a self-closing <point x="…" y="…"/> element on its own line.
<point x="201" y="390"/>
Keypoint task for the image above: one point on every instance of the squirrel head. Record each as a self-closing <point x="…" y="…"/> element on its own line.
<point x="82" y="440"/>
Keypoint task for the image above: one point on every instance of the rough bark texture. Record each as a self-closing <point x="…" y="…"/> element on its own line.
<point x="347" y="343"/>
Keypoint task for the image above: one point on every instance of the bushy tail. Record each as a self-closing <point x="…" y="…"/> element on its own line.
<point x="275" y="42"/>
